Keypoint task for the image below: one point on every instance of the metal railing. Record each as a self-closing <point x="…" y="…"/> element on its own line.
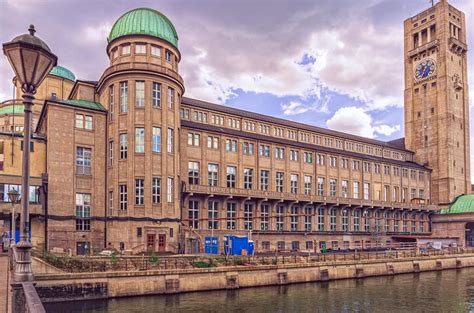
<point x="158" y="262"/>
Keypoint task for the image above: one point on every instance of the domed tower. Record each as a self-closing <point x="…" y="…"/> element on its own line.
<point x="142" y="91"/>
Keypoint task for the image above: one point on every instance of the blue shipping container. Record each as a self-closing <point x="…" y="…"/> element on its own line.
<point x="233" y="245"/>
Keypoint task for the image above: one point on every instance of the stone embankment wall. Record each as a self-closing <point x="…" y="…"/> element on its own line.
<point x="84" y="286"/>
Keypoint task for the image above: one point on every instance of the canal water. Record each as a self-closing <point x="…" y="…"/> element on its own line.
<point x="444" y="291"/>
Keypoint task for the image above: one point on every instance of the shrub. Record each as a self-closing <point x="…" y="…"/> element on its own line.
<point x="202" y="264"/>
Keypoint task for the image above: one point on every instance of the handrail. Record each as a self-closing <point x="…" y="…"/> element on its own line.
<point x="33" y="301"/>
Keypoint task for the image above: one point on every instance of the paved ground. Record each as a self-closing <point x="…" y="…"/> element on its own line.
<point x="4" y="290"/>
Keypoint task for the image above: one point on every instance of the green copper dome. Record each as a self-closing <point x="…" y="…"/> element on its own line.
<point x="144" y="21"/>
<point x="62" y="72"/>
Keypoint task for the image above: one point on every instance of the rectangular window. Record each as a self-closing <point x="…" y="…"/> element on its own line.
<point x="125" y="49"/>
<point x="321" y="219"/>
<point x="248" y="216"/>
<point x="140" y="93"/>
<point x="193" y="214"/>
<point x="213" y="171"/>
<point x="293" y="155"/>
<point x="193" y="173"/>
<point x="156" y="95"/>
<point x="280" y="181"/>
<point x="231" y="176"/>
<point x="88" y="122"/>
<point x="332" y="187"/>
<point x="321" y="184"/>
<point x="140" y="140"/>
<point x="156" y="190"/>
<point x="123" y="197"/>
<point x="294" y="218"/>
<point x="264" y="216"/>
<point x="170" y="98"/>
<point x="111" y="103"/>
<point x="319" y="159"/>
<point x="231" y="214"/>
<point x="111" y="153"/>
<point x="213" y="214"/>
<point x="333" y="219"/>
<point x="345" y="220"/>
<point x="332" y="161"/>
<point x="308" y="157"/>
<point x="308" y="218"/>
<point x="123" y="146"/>
<point x="212" y="142"/>
<point x="294" y="183"/>
<point x="170" y="141"/>
<point x="355" y="190"/>
<point x="265" y="150"/>
<point x="366" y="191"/>
<point x="356" y="220"/>
<point x="170" y="190"/>
<point x="111" y="202"/>
<point x="156" y="139"/>
<point x="139" y="192"/>
<point x="280" y="153"/>
<point x="123" y="97"/>
<point x="140" y="48"/>
<point x="308" y="185"/>
<point x="248" y="178"/>
<point x="264" y="177"/>
<point x="345" y="189"/>
<point x="83" y="212"/>
<point x="280" y="217"/>
<point x="155" y="51"/>
<point x="83" y="161"/>
<point x="168" y="55"/>
<point x="79" y="120"/>
<point x="231" y="145"/>
<point x="248" y="148"/>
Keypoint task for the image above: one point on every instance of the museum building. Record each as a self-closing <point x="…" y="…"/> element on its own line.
<point x="127" y="162"/>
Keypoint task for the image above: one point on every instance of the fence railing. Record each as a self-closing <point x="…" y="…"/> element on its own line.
<point x="154" y="262"/>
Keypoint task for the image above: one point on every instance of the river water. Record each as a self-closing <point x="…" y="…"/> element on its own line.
<point x="444" y="291"/>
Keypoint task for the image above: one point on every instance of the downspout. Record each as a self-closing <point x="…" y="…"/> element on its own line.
<point x="106" y="176"/>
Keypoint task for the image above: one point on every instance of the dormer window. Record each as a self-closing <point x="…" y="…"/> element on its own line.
<point x="156" y="51"/>
<point x="125" y="49"/>
<point x="168" y="55"/>
<point x="140" y="48"/>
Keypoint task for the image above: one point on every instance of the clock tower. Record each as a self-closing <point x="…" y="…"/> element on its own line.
<point x="436" y="98"/>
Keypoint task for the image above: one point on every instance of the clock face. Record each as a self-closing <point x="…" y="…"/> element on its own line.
<point x="425" y="69"/>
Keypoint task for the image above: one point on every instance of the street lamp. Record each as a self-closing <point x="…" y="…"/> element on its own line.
<point x="31" y="60"/>
<point x="13" y="196"/>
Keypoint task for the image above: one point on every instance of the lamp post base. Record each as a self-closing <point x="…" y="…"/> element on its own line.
<point x="23" y="271"/>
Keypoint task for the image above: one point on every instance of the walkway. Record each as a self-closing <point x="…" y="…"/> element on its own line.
<point x="4" y="290"/>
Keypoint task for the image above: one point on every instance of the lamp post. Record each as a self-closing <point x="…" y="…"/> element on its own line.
<point x="13" y="196"/>
<point x="31" y="60"/>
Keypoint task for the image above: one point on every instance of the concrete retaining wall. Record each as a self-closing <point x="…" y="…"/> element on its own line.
<point x="84" y="286"/>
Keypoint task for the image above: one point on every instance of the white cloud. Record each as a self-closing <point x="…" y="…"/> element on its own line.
<point x="293" y="108"/>
<point x="386" y="130"/>
<point x="96" y="33"/>
<point x="356" y="121"/>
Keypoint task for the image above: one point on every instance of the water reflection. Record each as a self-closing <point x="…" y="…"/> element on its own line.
<point x="446" y="291"/>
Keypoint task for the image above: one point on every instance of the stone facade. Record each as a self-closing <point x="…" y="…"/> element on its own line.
<point x="436" y="98"/>
<point x="127" y="163"/>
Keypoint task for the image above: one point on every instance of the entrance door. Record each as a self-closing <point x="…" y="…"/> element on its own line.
<point x="82" y="248"/>
<point x="150" y="242"/>
<point x="161" y="242"/>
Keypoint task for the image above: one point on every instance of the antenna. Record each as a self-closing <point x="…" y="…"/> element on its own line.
<point x="432" y="3"/>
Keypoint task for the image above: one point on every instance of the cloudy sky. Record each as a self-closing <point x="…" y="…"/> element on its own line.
<point x="331" y="63"/>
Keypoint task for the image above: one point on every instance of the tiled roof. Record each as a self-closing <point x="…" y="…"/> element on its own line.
<point x="462" y="204"/>
<point x="85" y="104"/>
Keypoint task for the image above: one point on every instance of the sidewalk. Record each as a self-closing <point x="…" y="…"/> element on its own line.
<point x="4" y="286"/>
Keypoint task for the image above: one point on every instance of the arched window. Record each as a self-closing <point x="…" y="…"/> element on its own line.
<point x="345" y="219"/>
<point x="405" y="222"/>
<point x="388" y="221"/>
<point x="396" y="222"/>
<point x="414" y="221"/>
<point x="356" y="220"/>
<point x="367" y="220"/>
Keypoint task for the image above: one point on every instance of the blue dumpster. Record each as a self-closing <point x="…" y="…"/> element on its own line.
<point x="211" y="245"/>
